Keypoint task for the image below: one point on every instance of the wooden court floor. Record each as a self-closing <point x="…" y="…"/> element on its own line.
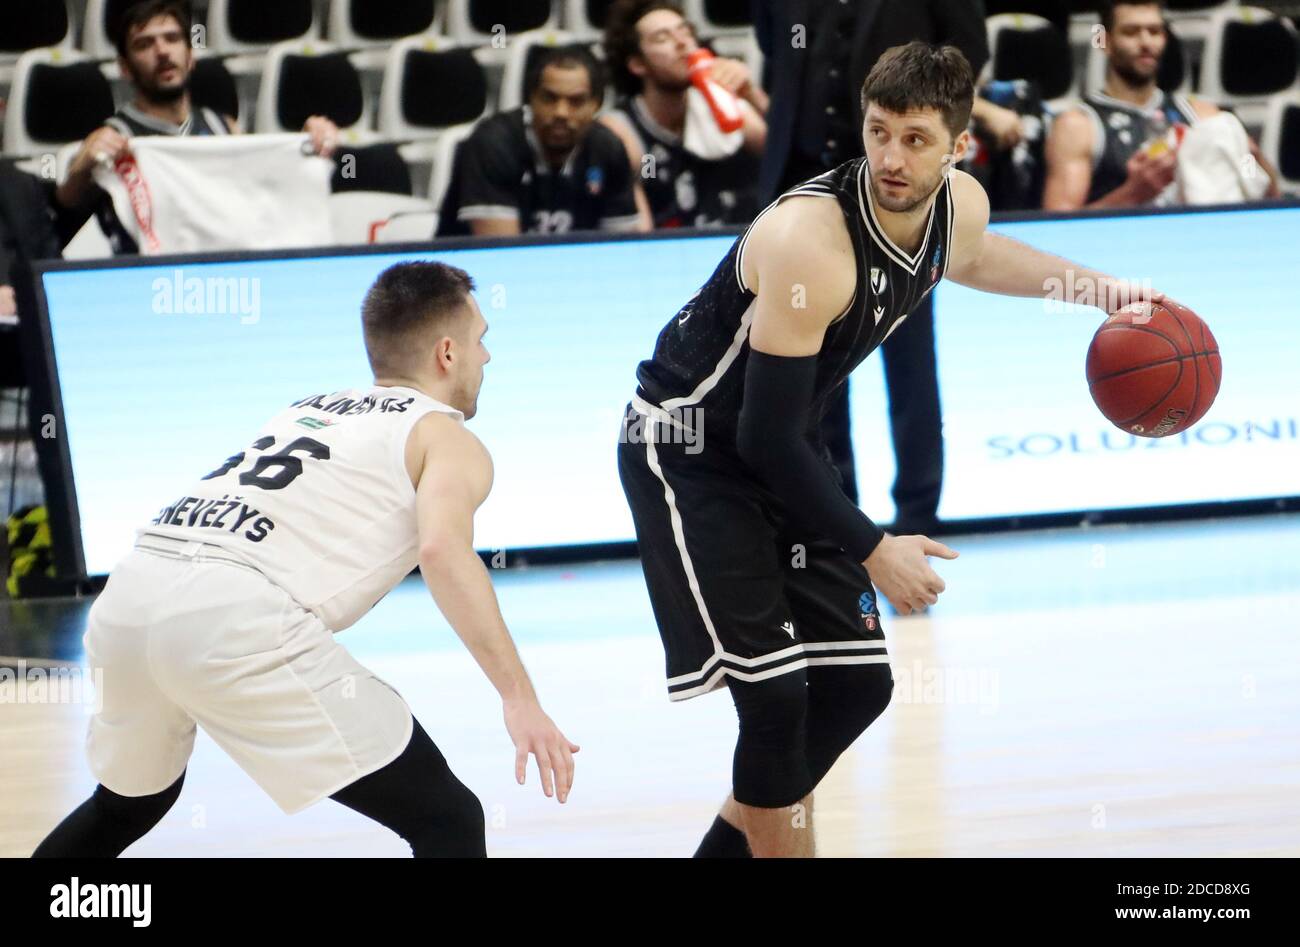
<point x="1049" y="706"/>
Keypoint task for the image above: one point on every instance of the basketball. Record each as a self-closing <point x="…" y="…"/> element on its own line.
<point x="1154" y="368"/>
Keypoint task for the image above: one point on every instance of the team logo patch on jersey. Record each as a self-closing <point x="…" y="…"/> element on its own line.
<point x="595" y="181"/>
<point x="314" y="423"/>
<point x="867" y="609"/>
<point x="878" y="280"/>
<point x="934" y="263"/>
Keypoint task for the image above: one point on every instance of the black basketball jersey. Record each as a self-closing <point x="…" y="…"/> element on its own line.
<point x="500" y="172"/>
<point x="201" y="121"/>
<point x="1121" y="128"/>
<point x="685" y="190"/>
<point x="699" y="358"/>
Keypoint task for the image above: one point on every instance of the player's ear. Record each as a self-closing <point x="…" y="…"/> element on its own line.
<point x="959" y="148"/>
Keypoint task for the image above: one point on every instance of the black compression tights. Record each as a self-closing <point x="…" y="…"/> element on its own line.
<point x="419" y="797"/>
<point x="416" y="795"/>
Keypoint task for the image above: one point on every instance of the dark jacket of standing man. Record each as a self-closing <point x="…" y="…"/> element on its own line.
<point x="818" y="52"/>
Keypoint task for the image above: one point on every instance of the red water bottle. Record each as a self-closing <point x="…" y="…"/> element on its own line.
<point x="724" y="105"/>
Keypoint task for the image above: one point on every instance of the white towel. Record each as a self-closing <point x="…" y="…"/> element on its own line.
<point x="1215" y="165"/>
<point x="236" y="192"/>
<point x="702" y="137"/>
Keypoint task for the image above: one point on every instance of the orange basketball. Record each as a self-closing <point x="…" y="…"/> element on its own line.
<point x="1154" y="368"/>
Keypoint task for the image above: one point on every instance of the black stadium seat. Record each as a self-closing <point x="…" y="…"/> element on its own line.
<point x="373" y="168"/>
<point x="212" y="86"/>
<point x="441" y="89"/>
<point x="1258" y="58"/>
<point x="261" y="22"/>
<point x="33" y="25"/>
<point x="325" y="84"/>
<point x="728" y="13"/>
<point x="597" y="10"/>
<point x="515" y="16"/>
<point x="1040" y="54"/>
<point x="1289" y="155"/>
<point x="66" y="102"/>
<point x="390" y="19"/>
<point x="1055" y="11"/>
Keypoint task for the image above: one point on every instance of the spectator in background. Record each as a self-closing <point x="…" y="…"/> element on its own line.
<point x="154" y="53"/>
<point x="1105" y="152"/>
<point x="548" y="166"/>
<point x="647" y="44"/>
<point x="818" y="54"/>
<point x="26" y="233"/>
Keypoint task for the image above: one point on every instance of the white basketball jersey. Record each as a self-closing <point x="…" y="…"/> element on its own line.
<point x="320" y="503"/>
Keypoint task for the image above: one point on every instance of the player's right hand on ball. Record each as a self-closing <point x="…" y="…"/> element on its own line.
<point x="900" y="572"/>
<point x="534" y="732"/>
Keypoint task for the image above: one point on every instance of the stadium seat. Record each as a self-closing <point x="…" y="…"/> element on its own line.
<point x="212" y="86"/>
<point x="585" y="19"/>
<point x="1280" y="142"/>
<point x="97" y="27"/>
<point x="300" y="79"/>
<point x="480" y="22"/>
<point x="1175" y="72"/>
<point x="444" y="162"/>
<point x="358" y="217"/>
<point x="33" y="26"/>
<point x="355" y="24"/>
<point x="58" y="96"/>
<point x="1249" y="55"/>
<point x="520" y="53"/>
<point x="377" y="167"/>
<point x="1027" y="46"/>
<point x="1057" y="12"/>
<point x="430" y="84"/>
<point x="1193" y="16"/>
<point x="250" y="26"/>
<point x="720" y="17"/>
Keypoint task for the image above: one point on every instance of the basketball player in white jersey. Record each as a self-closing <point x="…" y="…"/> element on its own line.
<point x="223" y="615"/>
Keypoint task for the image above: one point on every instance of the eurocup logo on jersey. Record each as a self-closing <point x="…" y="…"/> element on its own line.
<point x="934" y="263"/>
<point x="867" y="608"/>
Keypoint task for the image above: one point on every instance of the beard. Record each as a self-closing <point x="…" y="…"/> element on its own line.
<point x="152" y="91"/>
<point x="666" y="81"/>
<point x="1128" y="71"/>
<point x="904" y="205"/>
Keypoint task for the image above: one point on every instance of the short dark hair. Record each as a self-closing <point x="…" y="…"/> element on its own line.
<point x="138" y="14"/>
<point x="923" y="75"/>
<point x="622" y="41"/>
<point x="565" y="57"/>
<point x="1106" y="9"/>
<point x="406" y="301"/>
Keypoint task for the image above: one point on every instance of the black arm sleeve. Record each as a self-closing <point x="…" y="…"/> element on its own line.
<point x="772" y="440"/>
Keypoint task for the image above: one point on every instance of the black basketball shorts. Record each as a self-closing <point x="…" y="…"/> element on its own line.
<point x="736" y="589"/>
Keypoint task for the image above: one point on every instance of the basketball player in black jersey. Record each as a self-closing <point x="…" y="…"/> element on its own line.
<point x="762" y="574"/>
<point x="1096" y="154"/>
<point x="153" y="46"/>
<point x="648" y="44"/>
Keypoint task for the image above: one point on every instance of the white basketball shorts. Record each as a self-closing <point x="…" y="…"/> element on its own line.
<point x="186" y="634"/>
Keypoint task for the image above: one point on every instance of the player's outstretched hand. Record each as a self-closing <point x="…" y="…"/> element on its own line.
<point x="1124" y="292"/>
<point x="534" y="732"/>
<point x="901" y="573"/>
